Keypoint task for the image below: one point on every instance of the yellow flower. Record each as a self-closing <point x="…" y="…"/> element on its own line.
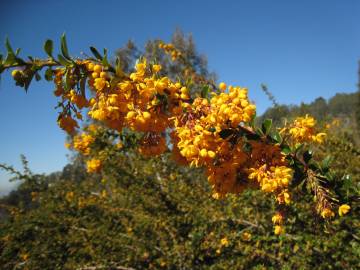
<point x="222" y="86"/>
<point x="224" y="242"/>
<point x="278" y="229"/>
<point x="156" y="68"/>
<point x="24" y="256"/>
<point x="277" y="218"/>
<point x="344" y="209"/>
<point x="246" y="236"/>
<point x="93" y="165"/>
<point x="69" y="196"/>
<point x="67" y="123"/>
<point x="100" y="84"/>
<point x="327" y="213"/>
<point x="67" y="145"/>
<point x="97" y="68"/>
<point x="16" y="74"/>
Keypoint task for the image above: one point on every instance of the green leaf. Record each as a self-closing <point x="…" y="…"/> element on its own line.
<point x="68" y="81"/>
<point x="212" y="129"/>
<point x="37" y="77"/>
<point x="252" y="122"/>
<point x="299" y="147"/>
<point x="63" y="61"/>
<point x="105" y="61"/>
<point x="259" y="131"/>
<point x="8" y="47"/>
<point x="28" y="80"/>
<point x="225" y="133"/>
<point x="49" y="74"/>
<point x="64" y="48"/>
<point x="307" y="156"/>
<point x="277" y="137"/>
<point x="49" y="47"/>
<point x="326" y="162"/>
<point x="266" y="126"/>
<point x="285" y="149"/>
<point x="205" y="91"/>
<point x="10" y="57"/>
<point x="96" y="53"/>
<point x="252" y="136"/>
<point x="17" y="51"/>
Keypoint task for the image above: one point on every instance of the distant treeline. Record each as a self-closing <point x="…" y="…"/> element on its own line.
<point x="341" y="105"/>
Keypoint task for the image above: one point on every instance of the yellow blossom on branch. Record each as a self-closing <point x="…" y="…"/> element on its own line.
<point x="344" y="209"/>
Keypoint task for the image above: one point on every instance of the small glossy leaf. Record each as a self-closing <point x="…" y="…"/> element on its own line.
<point x="299" y="147"/>
<point x="96" y="53"/>
<point x="266" y="126"/>
<point x="259" y="131"/>
<point x="307" y="156"/>
<point x="118" y="70"/>
<point x="63" y="61"/>
<point x="68" y="81"/>
<point x="64" y="48"/>
<point x="277" y="137"/>
<point x="252" y="136"/>
<point x="225" y="133"/>
<point x="37" y="77"/>
<point x="326" y="162"/>
<point x="212" y="129"/>
<point x="49" y="74"/>
<point x="286" y="150"/>
<point x="28" y="80"/>
<point x="105" y="60"/>
<point x="49" y="47"/>
<point x="10" y="57"/>
<point x="205" y="91"/>
<point x="8" y="47"/>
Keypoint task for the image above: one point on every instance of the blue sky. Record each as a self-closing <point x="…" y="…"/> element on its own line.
<point x="300" y="49"/>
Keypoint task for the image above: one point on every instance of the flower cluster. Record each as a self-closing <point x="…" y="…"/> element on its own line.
<point x="278" y="220"/>
<point x="93" y="165"/>
<point x="273" y="180"/>
<point x="143" y="102"/>
<point x="303" y="130"/>
<point x="82" y="143"/>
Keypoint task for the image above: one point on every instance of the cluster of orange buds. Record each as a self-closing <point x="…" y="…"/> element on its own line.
<point x="278" y="220"/>
<point x="59" y="90"/>
<point x="170" y="50"/>
<point x="93" y="165"/>
<point x="303" y="130"/>
<point x="77" y="98"/>
<point x="67" y="123"/>
<point x="82" y="143"/>
<point x="143" y="102"/>
<point x="197" y="138"/>
<point x="273" y="180"/>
